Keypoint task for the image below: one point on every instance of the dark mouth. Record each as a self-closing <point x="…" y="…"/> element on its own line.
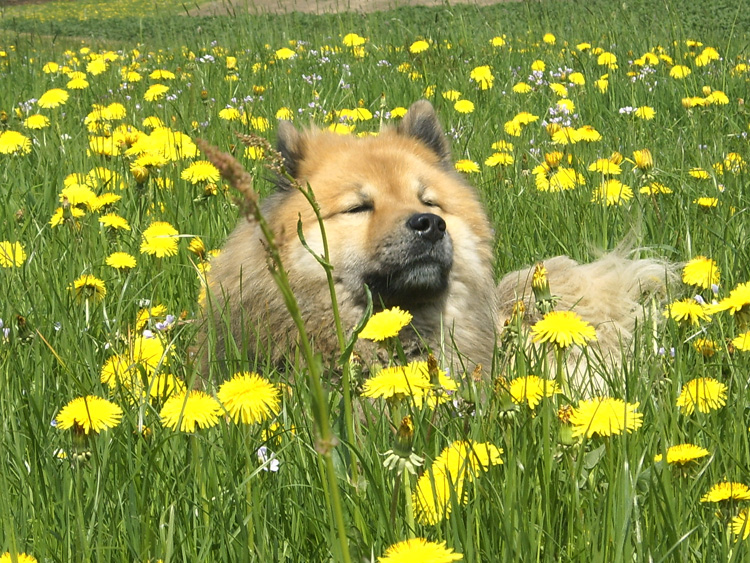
<point x="415" y="283"/>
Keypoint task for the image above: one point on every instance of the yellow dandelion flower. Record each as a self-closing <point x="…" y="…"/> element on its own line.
<point x="21" y="557"/>
<point x="643" y="159"/>
<point x="466" y="165"/>
<point x="605" y="416"/>
<point x="687" y="310"/>
<point x="464" y="106"/>
<point x="419" y="549"/>
<point x="605" y="166"/>
<point x="654" y="188"/>
<point x="89" y="414"/>
<point x="483" y="76"/>
<point x="563" y="328"/>
<point x="249" y="398"/>
<point x="155" y="92"/>
<point x="740" y="524"/>
<point x="705" y="393"/>
<point x="419" y="46"/>
<point x="682" y="454"/>
<point x="160" y="240"/>
<point x="706" y="202"/>
<point x="201" y="171"/>
<point x="13" y="142"/>
<point x="612" y="192"/>
<point x="499" y="159"/>
<point x="87" y="287"/>
<point x="190" y="410"/>
<point x="285" y="53"/>
<point x="114" y="221"/>
<point x="53" y="98"/>
<point x="385" y="324"/>
<point x="451" y="95"/>
<point x="36" y="121"/>
<point x="120" y="261"/>
<point x="12" y="254"/>
<point x="646" y="113"/>
<point x="738" y="299"/>
<point x="531" y="389"/>
<point x="742" y="342"/>
<point x="679" y="72"/>
<point x="727" y="491"/>
<point x="702" y="272"/>
<point x="353" y="40"/>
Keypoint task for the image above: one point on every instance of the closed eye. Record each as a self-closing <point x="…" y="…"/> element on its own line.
<point x="430" y="203"/>
<point x="361" y="208"/>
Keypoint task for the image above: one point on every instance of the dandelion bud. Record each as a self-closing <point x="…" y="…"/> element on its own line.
<point x="643" y="159"/>
<point x="706" y="90"/>
<point x="405" y="436"/>
<point x="204" y="95"/>
<point x="553" y="128"/>
<point x="140" y="173"/>
<point x="616" y="158"/>
<point x="553" y="159"/>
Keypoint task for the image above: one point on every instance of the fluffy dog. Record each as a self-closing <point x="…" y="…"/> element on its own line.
<point x="400" y="221"/>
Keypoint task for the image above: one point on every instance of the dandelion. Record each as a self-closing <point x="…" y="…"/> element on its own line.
<point x="201" y="171"/>
<point x="531" y="389"/>
<point x="190" y="410"/>
<point x="88" y="414"/>
<point x="385" y="324"/>
<point x="120" y="261"/>
<point x="459" y="463"/>
<point x="499" y="159"/>
<point x="727" y="491"/>
<point x="706" y="202"/>
<point x="249" y="398"/>
<point x="646" y="113"/>
<point x="12" y="254"/>
<point x="155" y="92"/>
<point x="687" y="310"/>
<point x="643" y="159"/>
<point x="702" y="272"/>
<point x="740" y="524"/>
<point x="679" y="72"/>
<point x="419" y="46"/>
<point x="20" y="558"/>
<point x="742" y="342"/>
<point x="285" y="53"/>
<point x="36" y="121"/>
<point x="464" y="106"/>
<point x="682" y="454"/>
<point x="738" y="300"/>
<point x="605" y="166"/>
<point x="612" y="192"/>
<point x="605" y="416"/>
<point x="705" y="393"/>
<point x="53" y="98"/>
<point x="353" y="40"/>
<point x="421" y="550"/>
<point x="563" y="328"/>
<point x="654" y="188"/>
<point x="114" y="221"/>
<point x="482" y="75"/>
<point x="13" y="142"/>
<point x="466" y="165"/>
<point x="160" y="239"/>
<point x="88" y="287"/>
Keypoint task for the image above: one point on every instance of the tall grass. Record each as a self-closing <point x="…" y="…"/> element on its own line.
<point x="133" y="495"/>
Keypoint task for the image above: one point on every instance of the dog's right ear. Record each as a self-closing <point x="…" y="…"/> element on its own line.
<point x="290" y="145"/>
<point x="422" y="123"/>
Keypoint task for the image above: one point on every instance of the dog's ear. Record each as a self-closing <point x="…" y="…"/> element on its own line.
<point x="291" y="146"/>
<point x="422" y="123"/>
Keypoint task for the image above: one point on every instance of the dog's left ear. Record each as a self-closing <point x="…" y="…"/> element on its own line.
<point x="422" y="123"/>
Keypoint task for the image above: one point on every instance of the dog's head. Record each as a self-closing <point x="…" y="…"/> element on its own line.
<point x="398" y="218"/>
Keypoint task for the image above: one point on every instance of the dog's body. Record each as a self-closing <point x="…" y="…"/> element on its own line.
<point x="401" y="221"/>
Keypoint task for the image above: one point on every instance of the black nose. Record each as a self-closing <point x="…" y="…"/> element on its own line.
<point x="427" y="225"/>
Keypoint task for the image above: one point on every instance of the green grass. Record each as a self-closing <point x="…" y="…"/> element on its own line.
<point x="125" y="495"/>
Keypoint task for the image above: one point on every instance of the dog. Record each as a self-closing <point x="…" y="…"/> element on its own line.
<point x="402" y="223"/>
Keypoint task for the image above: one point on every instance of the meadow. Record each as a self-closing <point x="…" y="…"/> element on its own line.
<point x="580" y="127"/>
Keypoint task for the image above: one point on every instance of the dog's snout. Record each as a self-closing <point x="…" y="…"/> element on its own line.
<point x="427" y="225"/>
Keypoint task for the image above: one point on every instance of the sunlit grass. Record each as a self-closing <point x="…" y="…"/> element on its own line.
<point x="551" y="126"/>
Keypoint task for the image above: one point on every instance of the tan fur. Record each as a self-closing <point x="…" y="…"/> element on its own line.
<point x="402" y="173"/>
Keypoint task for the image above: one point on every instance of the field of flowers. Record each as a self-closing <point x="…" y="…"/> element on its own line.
<point x="576" y="141"/>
